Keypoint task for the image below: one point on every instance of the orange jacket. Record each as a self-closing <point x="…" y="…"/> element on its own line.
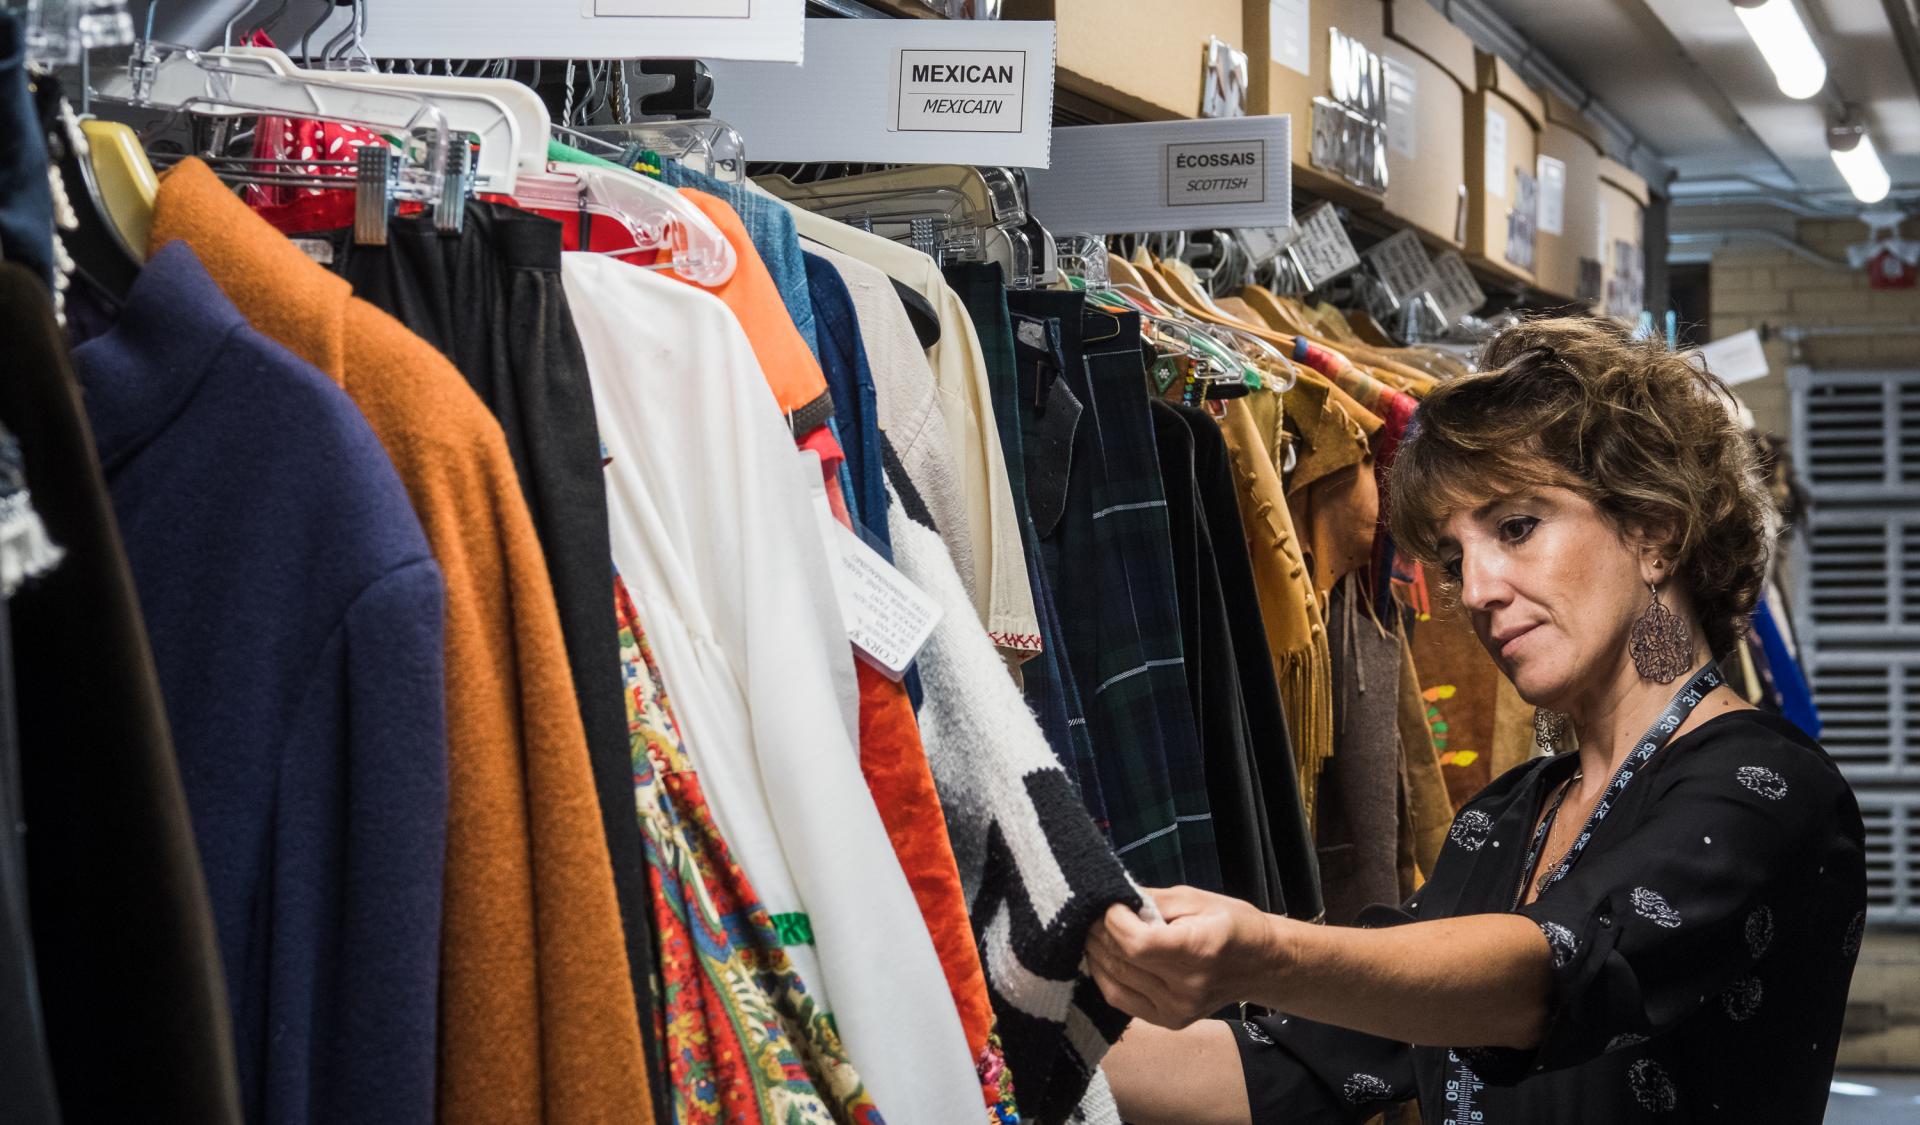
<point x="537" y="1014"/>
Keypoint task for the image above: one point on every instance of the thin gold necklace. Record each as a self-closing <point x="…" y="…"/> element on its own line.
<point x="1546" y="874"/>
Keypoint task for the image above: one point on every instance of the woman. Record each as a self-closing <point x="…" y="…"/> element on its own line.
<point x="1658" y="926"/>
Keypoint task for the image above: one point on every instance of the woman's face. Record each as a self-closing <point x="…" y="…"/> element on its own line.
<point x="1551" y="587"/>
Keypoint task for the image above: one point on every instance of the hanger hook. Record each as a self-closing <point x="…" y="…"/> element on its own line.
<point x="226" y="35"/>
<point x="306" y="37"/>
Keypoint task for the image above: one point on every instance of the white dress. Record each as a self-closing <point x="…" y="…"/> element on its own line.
<point x="715" y="535"/>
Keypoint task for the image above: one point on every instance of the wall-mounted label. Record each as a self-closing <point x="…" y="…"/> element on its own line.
<point x="1403" y="94"/>
<point x="1350" y="123"/>
<point x="1321" y="251"/>
<point x="1553" y="195"/>
<point x="1626" y="289"/>
<point x="1289" y="26"/>
<point x="1523" y="221"/>
<point x="1217" y="172"/>
<point x="1165" y="175"/>
<point x="1588" y="290"/>
<point x="1402" y="265"/>
<point x="1223" y="84"/>
<point x="1456" y="290"/>
<point x="1495" y="172"/>
<point x="960" y="91"/>
<point x="587" y="29"/>
<point x="900" y="92"/>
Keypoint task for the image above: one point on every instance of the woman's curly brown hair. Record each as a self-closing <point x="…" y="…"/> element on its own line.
<point x="1644" y="434"/>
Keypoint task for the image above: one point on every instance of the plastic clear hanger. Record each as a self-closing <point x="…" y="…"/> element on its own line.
<point x="709" y="146"/>
<point x="177" y="80"/>
<point x="657" y="216"/>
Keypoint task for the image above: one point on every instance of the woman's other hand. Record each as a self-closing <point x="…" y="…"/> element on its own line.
<point x="1207" y="954"/>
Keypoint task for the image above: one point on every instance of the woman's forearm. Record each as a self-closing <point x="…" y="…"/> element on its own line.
<point x="1483" y="980"/>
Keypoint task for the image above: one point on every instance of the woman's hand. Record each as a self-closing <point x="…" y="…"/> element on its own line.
<point x="1207" y="954"/>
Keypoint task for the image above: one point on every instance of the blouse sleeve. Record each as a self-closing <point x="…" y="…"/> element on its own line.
<point x="1308" y="1073"/>
<point x="1675" y="916"/>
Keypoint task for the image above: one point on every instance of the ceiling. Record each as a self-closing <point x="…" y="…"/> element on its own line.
<point x="1684" y="76"/>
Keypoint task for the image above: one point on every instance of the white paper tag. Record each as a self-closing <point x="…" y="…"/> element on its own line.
<point x="1289" y="27"/>
<point x="887" y="617"/>
<point x="319" y="249"/>
<point x="1403" y="94"/>
<point x="1739" y="358"/>
<point x="960" y="91"/>
<point x="1495" y="172"/>
<point x="1456" y="290"/>
<point x="1403" y="266"/>
<point x="1322" y="251"/>
<point x="1262" y="243"/>
<point x="1216" y="172"/>
<point x="1553" y="195"/>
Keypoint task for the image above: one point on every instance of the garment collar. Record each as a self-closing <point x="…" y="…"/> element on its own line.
<point x="283" y="293"/>
<point x="142" y="371"/>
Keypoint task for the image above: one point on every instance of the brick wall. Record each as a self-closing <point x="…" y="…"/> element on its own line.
<point x="1759" y="285"/>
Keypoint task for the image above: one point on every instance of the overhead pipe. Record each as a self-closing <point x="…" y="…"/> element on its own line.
<point x="1715" y="240"/>
<point x="1787" y="203"/>
<point x="1905" y="36"/>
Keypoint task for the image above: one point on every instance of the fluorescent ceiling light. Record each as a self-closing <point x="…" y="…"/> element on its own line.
<point x="1777" y="30"/>
<point x="1859" y="163"/>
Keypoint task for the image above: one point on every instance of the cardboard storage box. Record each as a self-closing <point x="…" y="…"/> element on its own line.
<point x="1569" y="232"/>
<point x="1431" y="69"/>
<point x="1622" y="242"/>
<point x="1142" y="58"/>
<point x="1504" y="116"/>
<point x="1279" y="43"/>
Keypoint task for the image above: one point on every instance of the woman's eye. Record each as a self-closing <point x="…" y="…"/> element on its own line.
<point x="1451" y="568"/>
<point x="1515" y="529"/>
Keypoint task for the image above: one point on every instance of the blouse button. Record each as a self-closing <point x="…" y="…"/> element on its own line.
<point x="1606" y="920"/>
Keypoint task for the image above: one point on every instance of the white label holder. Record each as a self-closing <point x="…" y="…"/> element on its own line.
<point x="1167" y="175"/>
<point x="899" y="92"/>
<point x="586" y="29"/>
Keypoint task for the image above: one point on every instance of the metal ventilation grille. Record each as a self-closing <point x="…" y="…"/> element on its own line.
<point x="1856" y="570"/>
<point x="1907" y="431"/>
<point x="1861" y="432"/>
<point x="1893" y="838"/>
<point x="1847" y="434"/>
<point x="1852" y="563"/>
<point x="1870" y="715"/>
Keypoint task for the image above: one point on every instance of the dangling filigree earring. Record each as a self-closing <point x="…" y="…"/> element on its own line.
<point x="1662" y="648"/>
<point x="1549" y="727"/>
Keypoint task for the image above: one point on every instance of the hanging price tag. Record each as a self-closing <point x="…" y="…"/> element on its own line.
<point x="1457" y="291"/>
<point x="1321" y="251"/>
<point x="1262" y="244"/>
<point x="887" y="616"/>
<point x="1403" y="266"/>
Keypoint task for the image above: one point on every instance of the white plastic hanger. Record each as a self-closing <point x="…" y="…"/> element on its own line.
<point x="509" y="119"/>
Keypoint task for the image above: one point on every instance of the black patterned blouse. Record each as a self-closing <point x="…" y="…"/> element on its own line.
<point x="1702" y="949"/>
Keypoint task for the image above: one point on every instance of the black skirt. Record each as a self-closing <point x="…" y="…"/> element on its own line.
<point x="1702" y="950"/>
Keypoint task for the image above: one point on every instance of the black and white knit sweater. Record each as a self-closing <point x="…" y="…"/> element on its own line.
<point x="1036" y="871"/>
